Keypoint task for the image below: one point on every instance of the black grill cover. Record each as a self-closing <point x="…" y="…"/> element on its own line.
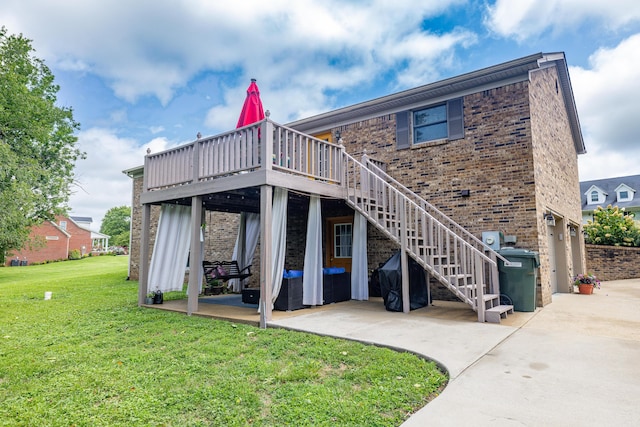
<point x="390" y="277"/>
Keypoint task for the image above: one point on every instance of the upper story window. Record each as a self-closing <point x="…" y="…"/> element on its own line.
<point x="430" y="124"/>
<point x="443" y="121"/>
<point x="624" y="193"/>
<point x="595" y="195"/>
<point x="63" y="225"/>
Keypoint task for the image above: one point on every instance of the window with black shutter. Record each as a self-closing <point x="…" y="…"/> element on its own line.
<point x="436" y="122"/>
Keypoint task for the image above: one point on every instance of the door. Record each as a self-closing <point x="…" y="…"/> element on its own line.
<point x="553" y="275"/>
<point x="339" y="242"/>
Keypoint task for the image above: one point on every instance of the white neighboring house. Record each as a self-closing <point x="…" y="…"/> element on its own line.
<point x="99" y="241"/>
<point x="623" y="192"/>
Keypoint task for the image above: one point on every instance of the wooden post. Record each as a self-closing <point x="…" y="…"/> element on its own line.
<point x="195" y="260"/>
<point x="143" y="269"/>
<point x="266" y="255"/>
<point x="195" y="168"/>
<point x="266" y="148"/>
<point x="404" y="262"/>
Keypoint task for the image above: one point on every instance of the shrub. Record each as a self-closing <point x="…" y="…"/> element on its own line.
<point x="612" y="227"/>
<point x="75" y="254"/>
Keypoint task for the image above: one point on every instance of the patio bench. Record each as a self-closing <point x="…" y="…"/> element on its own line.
<point x="224" y="270"/>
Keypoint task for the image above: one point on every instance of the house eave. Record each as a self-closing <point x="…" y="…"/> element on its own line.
<point x="486" y="78"/>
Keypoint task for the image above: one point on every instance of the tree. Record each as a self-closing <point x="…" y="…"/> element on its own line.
<point x="116" y="224"/>
<point x="612" y="227"/>
<point x="37" y="143"/>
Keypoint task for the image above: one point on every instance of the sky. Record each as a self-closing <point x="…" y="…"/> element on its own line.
<point x="152" y="74"/>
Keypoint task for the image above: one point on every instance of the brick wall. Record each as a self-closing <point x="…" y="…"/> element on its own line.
<point x="80" y="238"/>
<point x="613" y="262"/>
<point x="557" y="186"/>
<point x="47" y="243"/>
<point x="40" y="249"/>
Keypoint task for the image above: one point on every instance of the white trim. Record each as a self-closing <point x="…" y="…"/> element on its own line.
<point x="630" y="193"/>
<point x="602" y="196"/>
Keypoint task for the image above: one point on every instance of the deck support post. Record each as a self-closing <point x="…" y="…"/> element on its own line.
<point x="195" y="258"/>
<point x="266" y="255"/>
<point x="143" y="269"/>
<point x="404" y="261"/>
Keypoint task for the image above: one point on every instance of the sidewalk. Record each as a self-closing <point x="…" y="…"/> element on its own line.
<point x="575" y="362"/>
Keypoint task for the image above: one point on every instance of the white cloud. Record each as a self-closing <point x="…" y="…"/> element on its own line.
<point x="523" y="19"/>
<point x="101" y="185"/>
<point x="147" y="48"/>
<point x="606" y="96"/>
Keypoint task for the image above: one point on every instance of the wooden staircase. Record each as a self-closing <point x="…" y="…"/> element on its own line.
<point x="446" y="251"/>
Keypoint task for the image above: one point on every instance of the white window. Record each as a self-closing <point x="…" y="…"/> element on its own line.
<point x="63" y="225"/>
<point x="624" y="193"/>
<point x="342" y="240"/>
<point x="595" y="195"/>
<point x="430" y="124"/>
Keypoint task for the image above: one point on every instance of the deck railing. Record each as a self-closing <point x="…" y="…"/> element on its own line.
<point x="243" y="150"/>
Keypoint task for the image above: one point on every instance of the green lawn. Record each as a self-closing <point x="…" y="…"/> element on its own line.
<point x="91" y="357"/>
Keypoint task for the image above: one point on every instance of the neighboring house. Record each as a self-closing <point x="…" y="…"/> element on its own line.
<point x="495" y="150"/>
<point x="623" y="192"/>
<point x="52" y="241"/>
<point x="99" y="241"/>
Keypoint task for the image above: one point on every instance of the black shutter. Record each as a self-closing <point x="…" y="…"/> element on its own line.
<point x="455" y="119"/>
<point x="402" y="129"/>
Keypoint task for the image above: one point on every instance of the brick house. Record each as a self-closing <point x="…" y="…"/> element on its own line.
<point x="432" y="169"/>
<point x="53" y="241"/>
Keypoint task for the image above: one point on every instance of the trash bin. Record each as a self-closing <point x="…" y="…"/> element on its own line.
<point x="518" y="280"/>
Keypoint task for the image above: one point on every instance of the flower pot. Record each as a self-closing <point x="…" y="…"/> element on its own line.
<point x="585" y="288"/>
<point x="148" y="300"/>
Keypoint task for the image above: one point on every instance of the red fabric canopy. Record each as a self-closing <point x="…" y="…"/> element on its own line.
<point x="252" y="109"/>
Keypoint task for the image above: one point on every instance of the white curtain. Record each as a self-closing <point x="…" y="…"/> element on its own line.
<point x="359" y="276"/>
<point x="279" y="239"/>
<point x="312" y="275"/>
<point x="250" y="223"/>
<point x="200" y="270"/>
<point x="171" y="249"/>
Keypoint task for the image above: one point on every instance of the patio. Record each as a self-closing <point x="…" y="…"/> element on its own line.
<point x="440" y="310"/>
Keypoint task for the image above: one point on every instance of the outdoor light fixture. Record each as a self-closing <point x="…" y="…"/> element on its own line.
<point x="551" y="221"/>
<point x="338" y="135"/>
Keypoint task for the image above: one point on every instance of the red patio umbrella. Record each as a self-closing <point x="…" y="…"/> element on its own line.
<point x="252" y="109"/>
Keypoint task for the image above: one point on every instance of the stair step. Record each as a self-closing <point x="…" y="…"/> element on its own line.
<point x="494" y="314"/>
<point x="490" y="297"/>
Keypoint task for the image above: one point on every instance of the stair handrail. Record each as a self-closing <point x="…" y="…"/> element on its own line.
<point x="366" y="175"/>
<point x="420" y="208"/>
<point x="452" y="224"/>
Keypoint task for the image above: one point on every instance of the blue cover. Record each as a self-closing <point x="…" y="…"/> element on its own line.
<point x="333" y="270"/>
<point x="291" y="274"/>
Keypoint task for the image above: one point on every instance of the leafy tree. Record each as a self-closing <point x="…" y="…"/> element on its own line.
<point x="37" y="143"/>
<point x="612" y="227"/>
<point x="116" y="224"/>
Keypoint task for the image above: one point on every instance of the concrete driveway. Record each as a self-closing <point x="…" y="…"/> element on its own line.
<point x="575" y="362"/>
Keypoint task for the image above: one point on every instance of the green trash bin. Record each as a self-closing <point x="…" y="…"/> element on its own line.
<point x="518" y="280"/>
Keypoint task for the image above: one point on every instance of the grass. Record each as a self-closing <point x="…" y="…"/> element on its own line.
<point x="91" y="357"/>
